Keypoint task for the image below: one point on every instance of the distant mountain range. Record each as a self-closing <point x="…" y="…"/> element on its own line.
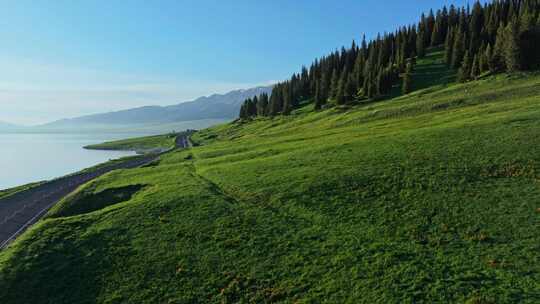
<point x="199" y="113"/>
<point x="8" y="126"/>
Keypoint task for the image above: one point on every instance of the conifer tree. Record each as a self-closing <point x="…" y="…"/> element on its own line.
<point x="488" y="55"/>
<point x="475" y="69"/>
<point x="262" y="105"/>
<point x="464" y="72"/>
<point x="318" y="97"/>
<point x="287" y="100"/>
<point x="340" y="93"/>
<point x="358" y="71"/>
<point x="449" y="47"/>
<point x="406" y="88"/>
<point x="420" y="48"/>
<point x="530" y="47"/>
<point x="251" y="108"/>
<point x="334" y="84"/>
<point x="325" y="87"/>
<point x="497" y="62"/>
<point x="458" y="51"/>
<point x="254" y="106"/>
<point x="512" y="51"/>
<point x="436" y="38"/>
<point x="242" y="114"/>
<point x="276" y="102"/>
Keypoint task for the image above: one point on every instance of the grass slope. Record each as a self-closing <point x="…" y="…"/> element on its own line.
<point x="146" y="143"/>
<point x="429" y="197"/>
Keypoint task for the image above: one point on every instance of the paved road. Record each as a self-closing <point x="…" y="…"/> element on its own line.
<point x="182" y="141"/>
<point x="21" y="210"/>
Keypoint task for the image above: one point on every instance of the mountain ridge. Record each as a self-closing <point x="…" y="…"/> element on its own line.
<point x="215" y="106"/>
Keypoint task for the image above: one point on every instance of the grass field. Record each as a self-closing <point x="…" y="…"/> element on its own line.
<point x="146" y="143"/>
<point x="429" y="197"/>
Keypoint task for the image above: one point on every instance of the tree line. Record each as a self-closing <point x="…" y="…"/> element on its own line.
<point x="501" y="36"/>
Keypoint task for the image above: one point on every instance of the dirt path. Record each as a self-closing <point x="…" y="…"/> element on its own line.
<point x="19" y="211"/>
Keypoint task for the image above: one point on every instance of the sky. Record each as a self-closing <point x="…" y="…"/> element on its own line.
<point x="64" y="58"/>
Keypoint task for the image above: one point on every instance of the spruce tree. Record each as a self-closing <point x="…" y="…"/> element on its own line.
<point x="255" y="106"/>
<point x="436" y="38"/>
<point x="449" y="47"/>
<point x="512" y="51"/>
<point x="340" y="93"/>
<point x="251" y="108"/>
<point x="458" y="50"/>
<point x="262" y="105"/>
<point x="318" y="97"/>
<point x="488" y="57"/>
<point x="497" y="62"/>
<point x="287" y="100"/>
<point x="350" y="88"/>
<point x="530" y="47"/>
<point x="276" y="102"/>
<point x="475" y="69"/>
<point x="406" y="87"/>
<point x="334" y="84"/>
<point x="483" y="65"/>
<point x="464" y="72"/>
<point x="358" y="71"/>
<point x="242" y="113"/>
<point x="420" y="47"/>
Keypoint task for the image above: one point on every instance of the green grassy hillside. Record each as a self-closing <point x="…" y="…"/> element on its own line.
<point x="138" y="144"/>
<point x="429" y="197"/>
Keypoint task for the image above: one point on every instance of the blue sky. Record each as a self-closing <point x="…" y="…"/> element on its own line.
<point x="68" y="58"/>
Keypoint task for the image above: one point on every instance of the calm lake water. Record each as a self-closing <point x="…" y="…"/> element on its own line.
<point x="26" y="158"/>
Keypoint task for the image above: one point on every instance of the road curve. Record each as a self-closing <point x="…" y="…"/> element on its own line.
<point x="20" y="210"/>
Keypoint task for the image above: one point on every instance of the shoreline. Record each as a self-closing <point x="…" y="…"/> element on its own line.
<point x="21" y="209"/>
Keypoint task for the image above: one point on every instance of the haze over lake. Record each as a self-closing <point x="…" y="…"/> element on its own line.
<point x="26" y="158"/>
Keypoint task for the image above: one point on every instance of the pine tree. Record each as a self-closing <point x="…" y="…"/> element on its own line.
<point x="488" y="57"/>
<point x="340" y="93"/>
<point x="475" y="69"/>
<point x="255" y="105"/>
<point x="358" y="71"/>
<point x="464" y="72"/>
<point x="251" y="108"/>
<point x="475" y="28"/>
<point x="530" y="47"/>
<point x="276" y="101"/>
<point x="242" y="114"/>
<point x="319" y="101"/>
<point x="512" y="51"/>
<point x="287" y="100"/>
<point x="483" y="65"/>
<point x="458" y="50"/>
<point x="334" y="84"/>
<point x="350" y="88"/>
<point x="262" y="105"/>
<point x="436" y="38"/>
<point x="406" y="88"/>
<point x="497" y="62"/>
<point x="420" y="48"/>
<point x="325" y="87"/>
<point x="449" y="47"/>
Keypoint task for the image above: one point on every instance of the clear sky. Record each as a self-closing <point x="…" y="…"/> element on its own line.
<point x="65" y="58"/>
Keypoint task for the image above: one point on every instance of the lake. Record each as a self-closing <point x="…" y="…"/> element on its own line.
<point x="26" y="158"/>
